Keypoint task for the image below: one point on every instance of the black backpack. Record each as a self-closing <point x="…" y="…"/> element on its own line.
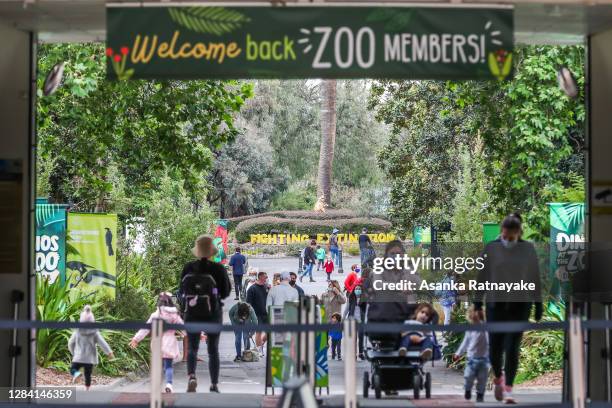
<point x="200" y="295"/>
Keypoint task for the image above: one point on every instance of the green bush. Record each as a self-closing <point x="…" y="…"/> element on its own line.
<point x="542" y="351"/>
<point x="311" y="215"/>
<point x="269" y="224"/>
<point x="454" y="339"/>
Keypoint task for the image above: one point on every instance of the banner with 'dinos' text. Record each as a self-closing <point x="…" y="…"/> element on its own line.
<point x="318" y="42"/>
<point x="92" y="272"/>
<point x="51" y="241"/>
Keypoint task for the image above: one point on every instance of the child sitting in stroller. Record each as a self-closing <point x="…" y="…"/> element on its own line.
<point x="423" y="314"/>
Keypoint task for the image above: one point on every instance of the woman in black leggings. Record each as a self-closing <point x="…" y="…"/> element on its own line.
<point x="508" y="259"/>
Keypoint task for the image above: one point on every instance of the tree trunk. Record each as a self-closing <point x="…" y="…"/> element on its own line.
<point x="328" y="140"/>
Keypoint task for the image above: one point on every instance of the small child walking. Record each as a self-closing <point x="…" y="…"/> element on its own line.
<point x="329" y="267"/>
<point x="320" y="254"/>
<point x="170" y="349"/>
<point x="476" y="344"/>
<point x="336" y="337"/>
<point x="82" y="346"/>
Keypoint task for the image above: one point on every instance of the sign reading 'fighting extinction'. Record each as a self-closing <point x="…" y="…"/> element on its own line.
<point x="298" y="42"/>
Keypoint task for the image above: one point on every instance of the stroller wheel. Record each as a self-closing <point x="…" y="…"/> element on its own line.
<point x="416" y="385"/>
<point x="376" y="386"/>
<point x="366" y="384"/>
<point x="427" y="385"/>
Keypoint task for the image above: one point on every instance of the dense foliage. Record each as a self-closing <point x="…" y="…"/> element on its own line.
<point x="526" y="135"/>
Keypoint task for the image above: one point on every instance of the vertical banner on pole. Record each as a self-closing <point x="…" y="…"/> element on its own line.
<point x="567" y="245"/>
<point x="51" y="240"/>
<point x="290" y="345"/>
<point x="275" y="355"/>
<point x="220" y="241"/>
<point x="322" y="369"/>
<point x="93" y="270"/>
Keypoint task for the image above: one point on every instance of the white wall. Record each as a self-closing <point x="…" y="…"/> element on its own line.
<point x="15" y="71"/>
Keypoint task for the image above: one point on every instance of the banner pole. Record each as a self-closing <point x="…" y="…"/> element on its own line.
<point x="157" y="332"/>
<point x="349" y="351"/>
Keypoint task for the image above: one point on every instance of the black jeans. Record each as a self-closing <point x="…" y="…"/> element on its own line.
<point x="504" y="348"/>
<point x="336" y="348"/>
<point x="87" y="368"/>
<point x="238" y="284"/>
<point x="212" y="343"/>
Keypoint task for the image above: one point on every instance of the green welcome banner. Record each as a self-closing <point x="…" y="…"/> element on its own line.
<point x="93" y="270"/>
<point x="567" y="244"/>
<point x="184" y="42"/>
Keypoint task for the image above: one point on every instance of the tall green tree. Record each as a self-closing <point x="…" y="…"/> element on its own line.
<point x="328" y="142"/>
<point x="141" y="128"/>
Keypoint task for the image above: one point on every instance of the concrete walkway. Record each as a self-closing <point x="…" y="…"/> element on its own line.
<point x="243" y="384"/>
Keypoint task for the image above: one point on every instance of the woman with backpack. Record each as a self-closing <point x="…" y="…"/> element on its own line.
<point x="204" y="284"/>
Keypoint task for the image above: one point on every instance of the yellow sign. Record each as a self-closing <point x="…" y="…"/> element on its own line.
<point x="284" y="239"/>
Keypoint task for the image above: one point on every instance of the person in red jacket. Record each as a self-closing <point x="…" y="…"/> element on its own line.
<point x="352" y="279"/>
<point x="329" y="267"/>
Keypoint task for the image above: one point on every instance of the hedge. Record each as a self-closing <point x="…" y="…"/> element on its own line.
<point x="295" y="214"/>
<point x="278" y="225"/>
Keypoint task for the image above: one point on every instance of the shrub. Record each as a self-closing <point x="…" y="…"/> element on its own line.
<point x="297" y="214"/>
<point x="269" y="224"/>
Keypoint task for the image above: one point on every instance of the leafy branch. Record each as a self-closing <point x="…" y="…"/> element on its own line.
<point x="208" y="20"/>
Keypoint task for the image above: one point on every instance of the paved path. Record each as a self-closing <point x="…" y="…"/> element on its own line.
<point x="242" y="384"/>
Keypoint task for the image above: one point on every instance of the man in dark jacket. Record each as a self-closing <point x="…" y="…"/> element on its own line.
<point x="204" y="250"/>
<point x="257" y="296"/>
<point x="237" y="262"/>
<point x="507" y="260"/>
<point x="310" y="259"/>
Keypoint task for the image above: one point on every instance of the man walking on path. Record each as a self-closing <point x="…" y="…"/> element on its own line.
<point x="257" y="296"/>
<point x="310" y="260"/>
<point x="237" y="262"/>
<point x="333" y="246"/>
<point x="282" y="293"/>
<point x="293" y="283"/>
<point x="365" y="247"/>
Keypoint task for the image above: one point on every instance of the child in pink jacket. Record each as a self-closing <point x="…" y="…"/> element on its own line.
<point x="170" y="349"/>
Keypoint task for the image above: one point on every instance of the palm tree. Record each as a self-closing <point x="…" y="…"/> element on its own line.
<point x="328" y="140"/>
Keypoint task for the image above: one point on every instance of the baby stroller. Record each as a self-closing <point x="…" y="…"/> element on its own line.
<point x="391" y="372"/>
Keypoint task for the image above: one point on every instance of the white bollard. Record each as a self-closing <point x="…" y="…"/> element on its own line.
<point x="576" y="360"/>
<point x="157" y="331"/>
<point x="349" y="350"/>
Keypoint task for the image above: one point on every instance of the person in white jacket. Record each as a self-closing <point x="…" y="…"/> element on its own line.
<point x="170" y="349"/>
<point x="82" y="346"/>
<point x="283" y="292"/>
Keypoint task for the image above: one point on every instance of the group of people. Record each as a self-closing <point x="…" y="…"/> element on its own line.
<point x="205" y="284"/>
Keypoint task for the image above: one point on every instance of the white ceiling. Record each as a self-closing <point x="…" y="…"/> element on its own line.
<point x="545" y="22"/>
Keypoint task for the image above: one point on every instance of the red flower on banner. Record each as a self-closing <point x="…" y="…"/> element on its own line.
<point x="118" y="62"/>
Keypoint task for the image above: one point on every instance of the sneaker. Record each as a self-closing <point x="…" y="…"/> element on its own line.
<point x="214" y="388"/>
<point x="498" y="388"/>
<point x="403" y="351"/>
<point x="75" y="376"/>
<point x="426" y="354"/>
<point x="479" y="397"/>
<point x="507" y="394"/>
<point x="236" y="298"/>
<point x="468" y="394"/>
<point x="237" y="359"/>
<point x="333" y="357"/>
<point x="312" y="280"/>
<point x="168" y="388"/>
<point x="192" y="384"/>
<point x="339" y="358"/>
